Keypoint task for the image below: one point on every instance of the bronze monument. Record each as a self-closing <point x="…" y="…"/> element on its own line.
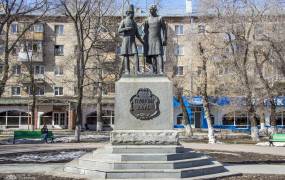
<point x="129" y="31"/>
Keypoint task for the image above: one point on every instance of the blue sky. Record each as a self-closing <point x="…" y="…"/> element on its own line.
<point x="169" y="7"/>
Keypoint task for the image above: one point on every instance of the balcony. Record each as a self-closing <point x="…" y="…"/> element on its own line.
<point x="30" y="56"/>
<point x="38" y="78"/>
<point x="36" y="36"/>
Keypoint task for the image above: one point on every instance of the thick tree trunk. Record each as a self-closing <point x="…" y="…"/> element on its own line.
<point x="253" y="121"/>
<point x="211" y="135"/>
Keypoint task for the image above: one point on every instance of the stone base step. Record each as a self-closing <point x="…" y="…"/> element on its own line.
<point x="148" y="173"/>
<point x="203" y="177"/>
<point x="144" y="162"/>
<point x="101" y="165"/>
<point x="146" y="157"/>
<point x="144" y="149"/>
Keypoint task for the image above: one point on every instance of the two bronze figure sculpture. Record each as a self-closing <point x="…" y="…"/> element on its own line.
<point x="155" y="37"/>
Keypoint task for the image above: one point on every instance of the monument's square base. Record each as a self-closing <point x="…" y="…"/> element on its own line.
<point x="143" y="144"/>
<point x="144" y="103"/>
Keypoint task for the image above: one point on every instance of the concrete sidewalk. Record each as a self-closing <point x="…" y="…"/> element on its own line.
<point x="279" y="151"/>
<point x="19" y="148"/>
<point x="57" y="169"/>
<point x="257" y="169"/>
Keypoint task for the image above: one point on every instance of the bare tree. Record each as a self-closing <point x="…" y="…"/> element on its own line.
<point x="87" y="17"/>
<point x="11" y="12"/>
<point x="237" y="23"/>
<point x="262" y="63"/>
<point x="204" y="92"/>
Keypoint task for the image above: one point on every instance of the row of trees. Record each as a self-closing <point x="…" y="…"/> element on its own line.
<point x="247" y="37"/>
<point x="94" y="26"/>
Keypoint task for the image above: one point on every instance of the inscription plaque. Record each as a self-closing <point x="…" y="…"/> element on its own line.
<point x="144" y="105"/>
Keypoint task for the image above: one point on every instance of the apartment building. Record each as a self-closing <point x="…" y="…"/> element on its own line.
<point x="49" y="48"/>
<point x="51" y="45"/>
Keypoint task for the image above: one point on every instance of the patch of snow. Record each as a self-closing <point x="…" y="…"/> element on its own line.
<point x="64" y="139"/>
<point x="277" y="144"/>
<point x="44" y="157"/>
<point x="87" y="138"/>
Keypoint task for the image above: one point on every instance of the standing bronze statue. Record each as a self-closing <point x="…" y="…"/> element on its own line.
<point x="129" y="31"/>
<point x="155" y="37"/>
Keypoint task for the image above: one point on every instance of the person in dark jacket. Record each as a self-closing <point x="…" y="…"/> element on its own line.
<point x="44" y="132"/>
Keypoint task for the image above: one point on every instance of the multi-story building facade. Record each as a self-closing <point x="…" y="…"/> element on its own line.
<point x="52" y="43"/>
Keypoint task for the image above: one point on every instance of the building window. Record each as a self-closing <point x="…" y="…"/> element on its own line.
<point x="16" y="91"/>
<point x="58" y="70"/>
<point x="13" y="119"/>
<point x="58" y="50"/>
<point x="201" y="28"/>
<point x="37" y="47"/>
<point x="59" y="118"/>
<point x="58" y="91"/>
<point x="280" y="118"/>
<point x="39" y="28"/>
<point x="179" y="50"/>
<point x="16" y="69"/>
<point x="140" y="49"/>
<point x="237" y="118"/>
<point x="14" y="28"/>
<point x="179" y="29"/>
<point x="39" y="69"/>
<point x="108" y="88"/>
<point x="59" y="30"/>
<point x="179" y="70"/>
<point x="39" y="91"/>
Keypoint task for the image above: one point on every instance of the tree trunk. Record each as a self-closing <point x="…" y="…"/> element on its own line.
<point x="262" y="119"/>
<point x="99" y="102"/>
<point x="273" y="122"/>
<point x="185" y="120"/>
<point x="211" y="135"/>
<point x="204" y="84"/>
<point x="6" y="62"/>
<point x="253" y="121"/>
<point x="99" y="126"/>
<point x="78" y="118"/>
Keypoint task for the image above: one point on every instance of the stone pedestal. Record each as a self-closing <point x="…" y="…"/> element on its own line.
<point x="143" y="144"/>
<point x="126" y="88"/>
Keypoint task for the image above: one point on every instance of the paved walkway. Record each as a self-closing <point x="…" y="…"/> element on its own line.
<point x="17" y="148"/>
<point x="7" y="149"/>
<point x="57" y="169"/>
<point x="280" y="151"/>
<point x="257" y="169"/>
